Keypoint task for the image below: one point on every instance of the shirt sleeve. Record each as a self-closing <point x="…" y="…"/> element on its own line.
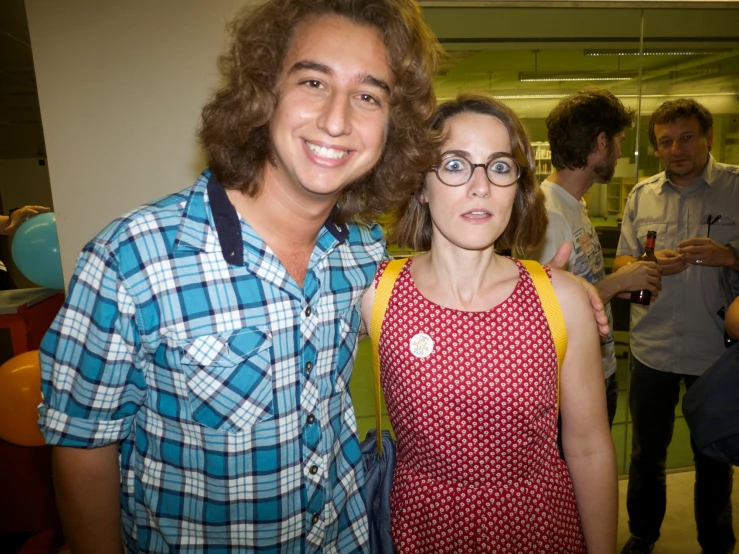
<point x="558" y="232"/>
<point x="628" y="243"/>
<point x="735" y="245"/>
<point x="92" y="379"/>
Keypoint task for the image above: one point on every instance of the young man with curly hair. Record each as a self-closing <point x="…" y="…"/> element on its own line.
<point x="196" y="381"/>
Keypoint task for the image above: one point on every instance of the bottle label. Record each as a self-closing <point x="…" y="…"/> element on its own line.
<point x="650" y="242"/>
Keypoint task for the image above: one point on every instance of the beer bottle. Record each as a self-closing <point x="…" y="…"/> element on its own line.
<point x="644" y="297"/>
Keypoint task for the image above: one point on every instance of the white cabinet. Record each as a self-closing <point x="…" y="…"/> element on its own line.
<point x="618" y="192"/>
<point x="543" y="157"/>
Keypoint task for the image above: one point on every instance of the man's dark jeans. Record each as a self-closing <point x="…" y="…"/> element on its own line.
<point x="653" y="396"/>
<point x="611" y="397"/>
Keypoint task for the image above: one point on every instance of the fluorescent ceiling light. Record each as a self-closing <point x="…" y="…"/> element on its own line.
<point x="683" y="95"/>
<point x="556" y="96"/>
<point x="635" y="52"/>
<point x="548" y="76"/>
<point x="528" y="96"/>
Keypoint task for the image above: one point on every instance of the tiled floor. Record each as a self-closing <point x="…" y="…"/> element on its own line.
<point x="678" y="534"/>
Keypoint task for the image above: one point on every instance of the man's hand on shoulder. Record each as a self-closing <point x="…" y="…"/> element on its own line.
<point x="599" y="310"/>
<point x="558" y="262"/>
<point x="560" y="258"/>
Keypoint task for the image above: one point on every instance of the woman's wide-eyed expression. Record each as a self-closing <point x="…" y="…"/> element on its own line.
<point x="472" y="215"/>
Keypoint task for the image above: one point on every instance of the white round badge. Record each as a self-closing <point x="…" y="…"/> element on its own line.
<point x="422" y="345"/>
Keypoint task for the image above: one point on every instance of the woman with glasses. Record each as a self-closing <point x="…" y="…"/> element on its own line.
<point x="469" y="368"/>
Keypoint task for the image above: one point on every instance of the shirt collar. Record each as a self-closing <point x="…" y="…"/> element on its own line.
<point x="194" y="232"/>
<point x="339" y="230"/>
<point x="208" y="208"/>
<point x="710" y="172"/>
<point x="227" y="224"/>
<point x="707" y="176"/>
<point x="564" y="194"/>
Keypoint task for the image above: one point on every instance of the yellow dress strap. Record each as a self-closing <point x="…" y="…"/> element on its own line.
<point x="552" y="311"/>
<point x="379" y="307"/>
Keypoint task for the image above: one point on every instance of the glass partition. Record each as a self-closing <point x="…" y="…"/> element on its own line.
<point x="696" y="55"/>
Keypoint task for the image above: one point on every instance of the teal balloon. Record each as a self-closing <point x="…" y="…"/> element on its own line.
<point x="36" y="251"/>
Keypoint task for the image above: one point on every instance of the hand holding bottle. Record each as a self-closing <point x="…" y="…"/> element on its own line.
<point x="644" y="296"/>
<point x="644" y="275"/>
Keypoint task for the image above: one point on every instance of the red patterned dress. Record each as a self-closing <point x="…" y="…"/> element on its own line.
<point x="471" y="396"/>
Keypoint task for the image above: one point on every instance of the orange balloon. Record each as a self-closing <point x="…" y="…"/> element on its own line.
<point x="20" y="395"/>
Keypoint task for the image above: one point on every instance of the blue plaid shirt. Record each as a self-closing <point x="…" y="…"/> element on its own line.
<point x="227" y="385"/>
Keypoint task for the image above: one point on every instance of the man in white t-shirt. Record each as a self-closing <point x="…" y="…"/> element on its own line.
<point x="585" y="133"/>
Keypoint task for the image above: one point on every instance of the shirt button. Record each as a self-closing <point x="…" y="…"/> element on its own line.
<point x="308" y="311"/>
<point x="309" y="366"/>
<point x="311" y="418"/>
<point x="313" y="470"/>
<point x="315" y="518"/>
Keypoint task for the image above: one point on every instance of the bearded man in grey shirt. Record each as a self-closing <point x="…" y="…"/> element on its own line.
<point x="694" y="208"/>
<point x="585" y="132"/>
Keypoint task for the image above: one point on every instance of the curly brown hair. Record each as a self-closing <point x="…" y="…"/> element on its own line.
<point x="574" y="125"/>
<point x="235" y="124"/>
<point x="411" y="225"/>
<point x="672" y="110"/>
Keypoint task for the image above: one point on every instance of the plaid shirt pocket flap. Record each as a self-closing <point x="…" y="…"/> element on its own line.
<point x="348" y="331"/>
<point x="229" y="378"/>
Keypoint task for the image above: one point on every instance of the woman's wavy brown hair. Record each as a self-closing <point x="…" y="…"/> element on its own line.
<point x="411" y="225"/>
<point x="235" y="124"/>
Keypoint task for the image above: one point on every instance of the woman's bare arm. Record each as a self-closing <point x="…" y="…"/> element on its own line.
<point x="586" y="437"/>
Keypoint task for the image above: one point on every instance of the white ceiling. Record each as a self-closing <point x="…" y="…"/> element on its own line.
<point x="490" y="47"/>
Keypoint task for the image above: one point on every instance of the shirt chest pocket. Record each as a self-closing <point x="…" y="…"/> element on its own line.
<point x="346" y="341"/>
<point x="662" y="240"/>
<point x="724" y="231"/>
<point x="229" y="378"/>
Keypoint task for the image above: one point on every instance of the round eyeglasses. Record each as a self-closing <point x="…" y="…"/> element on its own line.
<point x="455" y="171"/>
